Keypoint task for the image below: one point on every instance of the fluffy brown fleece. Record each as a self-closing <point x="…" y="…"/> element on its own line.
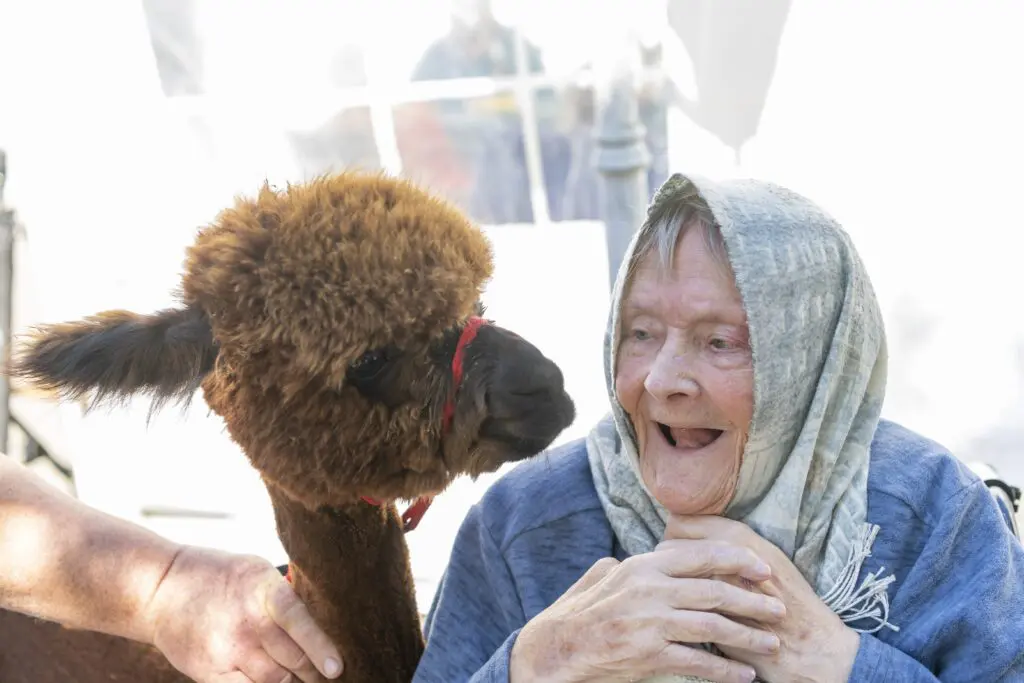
<point x="298" y="285"/>
<point x="321" y="322"/>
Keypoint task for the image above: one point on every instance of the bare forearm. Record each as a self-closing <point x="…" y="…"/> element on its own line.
<point x="67" y="562"/>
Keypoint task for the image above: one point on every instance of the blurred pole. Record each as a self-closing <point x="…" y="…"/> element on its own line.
<point x="531" y="132"/>
<point x="622" y="157"/>
<point x="6" y="300"/>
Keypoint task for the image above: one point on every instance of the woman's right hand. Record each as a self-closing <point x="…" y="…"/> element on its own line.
<point x="629" y="621"/>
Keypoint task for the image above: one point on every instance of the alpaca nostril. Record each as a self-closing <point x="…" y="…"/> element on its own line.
<point x="524" y="387"/>
<point x="525" y="390"/>
<point x="527" y="405"/>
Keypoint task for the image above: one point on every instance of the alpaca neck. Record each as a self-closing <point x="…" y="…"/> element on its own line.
<point x="350" y="566"/>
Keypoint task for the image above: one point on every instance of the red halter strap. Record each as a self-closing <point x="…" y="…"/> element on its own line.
<point x="468" y="335"/>
<point x="412" y="516"/>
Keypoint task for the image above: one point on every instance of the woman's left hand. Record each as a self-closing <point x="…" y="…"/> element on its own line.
<point x="816" y="644"/>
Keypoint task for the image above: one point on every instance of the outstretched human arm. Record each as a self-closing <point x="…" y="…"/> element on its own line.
<point x="70" y="563"/>
<point x="66" y="562"/>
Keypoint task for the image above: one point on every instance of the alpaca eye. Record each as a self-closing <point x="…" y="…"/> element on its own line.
<point x="368" y="365"/>
<point x="377" y="376"/>
<point x="368" y="358"/>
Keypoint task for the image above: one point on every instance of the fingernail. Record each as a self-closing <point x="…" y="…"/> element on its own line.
<point x="750" y="674"/>
<point x="776" y="607"/>
<point x="764" y="569"/>
<point x="332" y="667"/>
<point x="769" y="643"/>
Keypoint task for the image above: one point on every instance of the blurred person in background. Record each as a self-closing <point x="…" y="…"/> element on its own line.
<point x="486" y="133"/>
<point x="477" y="45"/>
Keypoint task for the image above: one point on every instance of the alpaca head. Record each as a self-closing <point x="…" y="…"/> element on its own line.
<point x="336" y="328"/>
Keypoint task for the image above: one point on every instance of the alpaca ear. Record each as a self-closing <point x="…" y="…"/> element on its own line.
<point x="116" y="355"/>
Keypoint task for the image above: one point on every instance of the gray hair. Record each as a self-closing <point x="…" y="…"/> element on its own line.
<point x="668" y="221"/>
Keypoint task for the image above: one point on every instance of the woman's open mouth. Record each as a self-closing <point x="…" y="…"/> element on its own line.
<point x="689" y="439"/>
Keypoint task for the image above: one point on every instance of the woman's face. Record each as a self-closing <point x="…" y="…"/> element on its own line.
<point x="685" y="377"/>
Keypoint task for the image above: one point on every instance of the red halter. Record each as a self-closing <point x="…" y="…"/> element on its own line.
<point x="414" y="513"/>
<point x="412" y="516"/>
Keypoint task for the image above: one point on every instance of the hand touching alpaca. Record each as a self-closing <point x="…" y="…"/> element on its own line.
<point x="271" y="631"/>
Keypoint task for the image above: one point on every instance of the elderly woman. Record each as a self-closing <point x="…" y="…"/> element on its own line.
<point x="743" y="512"/>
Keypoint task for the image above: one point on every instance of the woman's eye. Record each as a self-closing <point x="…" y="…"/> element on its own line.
<point x="719" y="344"/>
<point x="640" y="335"/>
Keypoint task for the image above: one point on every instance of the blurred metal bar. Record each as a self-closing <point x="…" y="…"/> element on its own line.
<point x="151" y="511"/>
<point x="327" y="101"/>
<point x="6" y="301"/>
<point x="382" y="110"/>
<point x="531" y="134"/>
<point x="622" y="157"/>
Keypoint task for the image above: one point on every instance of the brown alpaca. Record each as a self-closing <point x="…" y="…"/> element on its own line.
<point x="333" y="326"/>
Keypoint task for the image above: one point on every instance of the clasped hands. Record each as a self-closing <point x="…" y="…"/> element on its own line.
<point x="712" y="580"/>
